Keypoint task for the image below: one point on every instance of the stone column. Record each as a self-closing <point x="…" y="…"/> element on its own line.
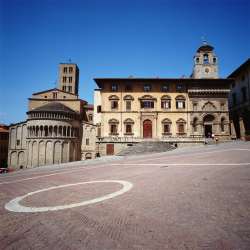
<point x="232" y="129"/>
<point x="242" y="128"/>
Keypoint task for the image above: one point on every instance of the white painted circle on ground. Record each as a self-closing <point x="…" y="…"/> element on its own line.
<point x="14" y="205"/>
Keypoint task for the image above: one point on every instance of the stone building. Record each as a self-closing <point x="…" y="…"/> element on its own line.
<point x="57" y="126"/>
<point x="239" y="101"/>
<point x="182" y="111"/>
<point x="4" y="139"/>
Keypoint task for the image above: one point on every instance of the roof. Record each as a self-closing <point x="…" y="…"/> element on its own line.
<point x="4" y="130"/>
<point x="100" y="81"/>
<point x="54" y="89"/>
<point x="242" y="67"/>
<point x="89" y="106"/>
<point x="205" y="47"/>
<point x="53" y="107"/>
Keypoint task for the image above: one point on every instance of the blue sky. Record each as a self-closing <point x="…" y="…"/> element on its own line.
<point x="143" y="38"/>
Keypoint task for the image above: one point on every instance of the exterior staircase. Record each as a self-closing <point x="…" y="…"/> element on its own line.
<point x="146" y="147"/>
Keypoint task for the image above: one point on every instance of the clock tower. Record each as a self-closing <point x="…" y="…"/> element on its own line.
<point x="205" y="63"/>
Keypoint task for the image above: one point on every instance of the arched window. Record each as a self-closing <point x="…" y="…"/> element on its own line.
<point x="37" y="129"/>
<point x="88" y="156"/>
<point x="50" y="130"/>
<point x="90" y="117"/>
<point x="222" y="124"/>
<point x="64" y="131"/>
<point x="165" y="102"/>
<point x="180" y="102"/>
<point x="197" y="60"/>
<point x="113" y="126"/>
<point x="46" y="131"/>
<point x="114" y="101"/>
<point x="205" y="59"/>
<point x="60" y="131"/>
<point x="181" y="126"/>
<point x="195" y="124"/>
<point x="128" y="102"/>
<point x="68" y="131"/>
<point x="128" y="126"/>
<point x="147" y="102"/>
<point x="55" y="131"/>
<point x="166" y="127"/>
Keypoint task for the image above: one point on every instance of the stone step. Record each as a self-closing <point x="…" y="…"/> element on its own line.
<point x="146" y="147"/>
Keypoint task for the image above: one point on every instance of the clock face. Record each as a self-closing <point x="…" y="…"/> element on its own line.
<point x="206" y="70"/>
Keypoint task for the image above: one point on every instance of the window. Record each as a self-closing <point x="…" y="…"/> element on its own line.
<point x="54" y="95"/>
<point x="214" y="60"/>
<point x="128" y="128"/>
<point x="70" y="88"/>
<point x="17" y="142"/>
<point x="165" y="88"/>
<point x="180" y="102"/>
<point x="64" y="79"/>
<point x="244" y="94"/>
<point x="166" y="104"/>
<point x="207" y="70"/>
<point x="222" y="106"/>
<point x="45" y="96"/>
<point x="113" y="129"/>
<point x="114" y="104"/>
<point x="147" y="87"/>
<point x="114" y="87"/>
<point x="99" y="109"/>
<point x="180" y="126"/>
<point x="179" y="87"/>
<point x="166" y="126"/>
<point x="128" y="87"/>
<point x="65" y="70"/>
<point x="128" y="105"/>
<point x="70" y="79"/>
<point x="90" y="117"/>
<point x="64" y="97"/>
<point x="87" y="141"/>
<point x="205" y="59"/>
<point x="195" y="106"/>
<point x="243" y="78"/>
<point x="233" y="84"/>
<point x="70" y="69"/>
<point x="64" y="88"/>
<point x="197" y="60"/>
<point x="147" y="104"/>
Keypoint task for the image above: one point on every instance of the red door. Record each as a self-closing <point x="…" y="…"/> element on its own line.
<point x="110" y="149"/>
<point x="147" y="129"/>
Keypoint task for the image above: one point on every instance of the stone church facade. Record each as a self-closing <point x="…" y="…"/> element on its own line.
<point x="59" y="127"/>
<point x="183" y="111"/>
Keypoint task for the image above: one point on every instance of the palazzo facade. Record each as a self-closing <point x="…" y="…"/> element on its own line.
<point x="183" y="111"/>
<point x="239" y="101"/>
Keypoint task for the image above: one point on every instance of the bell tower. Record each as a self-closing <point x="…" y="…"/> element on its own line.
<point x="68" y="78"/>
<point x="205" y="62"/>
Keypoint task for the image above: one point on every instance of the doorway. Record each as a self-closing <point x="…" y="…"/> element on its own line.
<point x="208" y="130"/>
<point x="110" y="149"/>
<point x="208" y="125"/>
<point x="147" y="129"/>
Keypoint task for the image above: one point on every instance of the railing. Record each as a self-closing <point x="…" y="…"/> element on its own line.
<point x="131" y="139"/>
